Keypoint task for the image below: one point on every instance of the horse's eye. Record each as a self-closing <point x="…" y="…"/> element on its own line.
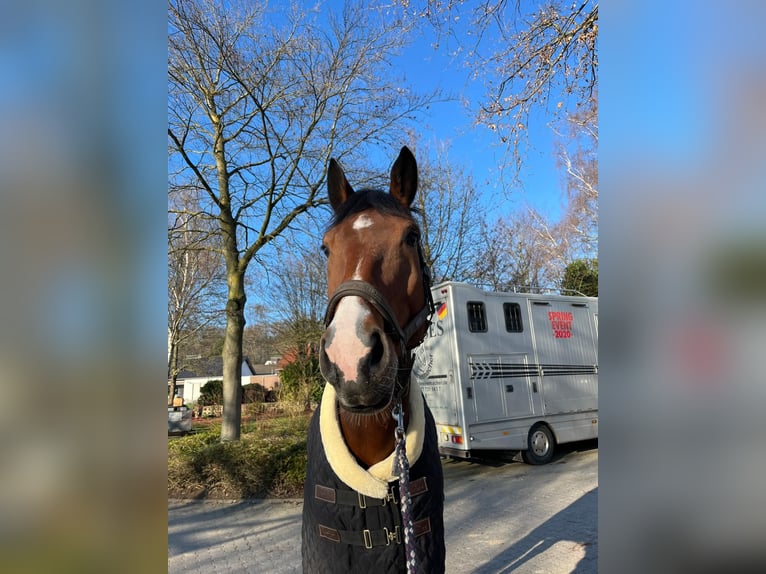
<point x="325" y="250"/>
<point x="412" y="237"/>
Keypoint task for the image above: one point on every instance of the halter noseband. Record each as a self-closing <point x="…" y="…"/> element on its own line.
<point x="363" y="289"/>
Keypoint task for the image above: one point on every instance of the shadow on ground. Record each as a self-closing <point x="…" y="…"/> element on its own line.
<point x="549" y="533"/>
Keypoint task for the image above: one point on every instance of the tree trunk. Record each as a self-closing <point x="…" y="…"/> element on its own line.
<point x="172" y="370"/>
<point x="235" y="303"/>
<point x="232" y="357"/>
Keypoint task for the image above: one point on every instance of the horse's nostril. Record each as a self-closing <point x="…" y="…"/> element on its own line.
<point x="326" y="366"/>
<point x="376" y="354"/>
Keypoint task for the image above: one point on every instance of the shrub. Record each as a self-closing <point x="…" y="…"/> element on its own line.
<point x="256" y="393"/>
<point x="211" y="393"/>
<point x="253" y="393"/>
<point x="268" y="461"/>
<point x="301" y="381"/>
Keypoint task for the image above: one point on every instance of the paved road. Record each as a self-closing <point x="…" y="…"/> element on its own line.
<point x="500" y="517"/>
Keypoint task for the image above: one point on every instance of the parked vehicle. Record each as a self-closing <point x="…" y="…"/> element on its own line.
<point x="179" y="420"/>
<point x="510" y="371"/>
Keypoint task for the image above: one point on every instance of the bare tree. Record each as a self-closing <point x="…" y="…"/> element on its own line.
<point x="493" y="267"/>
<point x="259" y="336"/>
<point x="531" y="249"/>
<point x="299" y="298"/>
<point x="298" y="286"/>
<point x="540" y="56"/>
<point x="256" y="109"/>
<point x="451" y="213"/>
<point x="517" y="252"/>
<point x="194" y="280"/>
<point x="578" y="157"/>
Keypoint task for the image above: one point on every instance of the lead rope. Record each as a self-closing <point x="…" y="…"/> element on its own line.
<point x="402" y="467"/>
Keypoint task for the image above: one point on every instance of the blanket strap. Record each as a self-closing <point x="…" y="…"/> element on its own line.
<point x="354" y="498"/>
<point x="372" y="538"/>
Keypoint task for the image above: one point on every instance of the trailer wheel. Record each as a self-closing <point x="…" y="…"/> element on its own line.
<point x="540" y="445"/>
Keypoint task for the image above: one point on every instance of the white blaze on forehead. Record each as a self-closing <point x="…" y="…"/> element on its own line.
<point x="345" y="348"/>
<point x="362" y="222"/>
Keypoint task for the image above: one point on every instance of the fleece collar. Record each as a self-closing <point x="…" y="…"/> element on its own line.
<point x="372" y="482"/>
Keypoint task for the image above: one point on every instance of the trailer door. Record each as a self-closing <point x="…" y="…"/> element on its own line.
<point x="566" y="348"/>
<point x="500" y="386"/>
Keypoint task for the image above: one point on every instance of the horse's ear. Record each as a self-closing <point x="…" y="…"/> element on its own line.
<point x="404" y="177"/>
<point x="338" y="188"/>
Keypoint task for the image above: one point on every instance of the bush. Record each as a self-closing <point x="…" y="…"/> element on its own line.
<point x="269" y="460"/>
<point x="301" y="381"/>
<point x="211" y="393"/>
<point x="253" y="393"/>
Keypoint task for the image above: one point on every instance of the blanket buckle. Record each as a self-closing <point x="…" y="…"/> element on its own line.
<point x="392" y="536"/>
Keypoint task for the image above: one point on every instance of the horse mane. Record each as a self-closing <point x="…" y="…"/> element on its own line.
<point x="381" y="201"/>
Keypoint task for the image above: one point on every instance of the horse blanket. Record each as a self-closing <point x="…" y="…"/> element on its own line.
<point x="352" y="519"/>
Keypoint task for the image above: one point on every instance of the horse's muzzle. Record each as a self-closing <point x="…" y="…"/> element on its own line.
<point x="360" y="363"/>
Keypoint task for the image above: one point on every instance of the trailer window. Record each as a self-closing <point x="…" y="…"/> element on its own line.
<point x="512" y="312"/>
<point x="477" y="317"/>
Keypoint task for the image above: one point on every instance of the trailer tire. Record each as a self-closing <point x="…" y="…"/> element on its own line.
<point x="540" y="445"/>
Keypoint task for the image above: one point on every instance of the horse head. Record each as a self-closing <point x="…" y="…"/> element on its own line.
<point x="378" y="286"/>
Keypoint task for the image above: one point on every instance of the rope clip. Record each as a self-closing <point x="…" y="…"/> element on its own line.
<point x="398" y="413"/>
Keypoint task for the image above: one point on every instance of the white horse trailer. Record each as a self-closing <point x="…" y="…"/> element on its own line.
<point x="510" y="371"/>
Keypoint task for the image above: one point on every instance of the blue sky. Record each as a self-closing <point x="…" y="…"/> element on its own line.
<point x="474" y="146"/>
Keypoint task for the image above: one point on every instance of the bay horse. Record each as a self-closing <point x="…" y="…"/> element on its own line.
<point x="374" y="490"/>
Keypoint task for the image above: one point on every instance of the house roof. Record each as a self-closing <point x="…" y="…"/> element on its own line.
<point x="211" y="367"/>
<point x="261" y="369"/>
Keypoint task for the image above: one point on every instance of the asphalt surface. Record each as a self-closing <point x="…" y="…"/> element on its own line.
<point x="500" y="516"/>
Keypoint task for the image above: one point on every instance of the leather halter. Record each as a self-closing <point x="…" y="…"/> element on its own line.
<point x="365" y="290"/>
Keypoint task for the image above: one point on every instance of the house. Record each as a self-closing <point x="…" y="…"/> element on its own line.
<point x="199" y="371"/>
